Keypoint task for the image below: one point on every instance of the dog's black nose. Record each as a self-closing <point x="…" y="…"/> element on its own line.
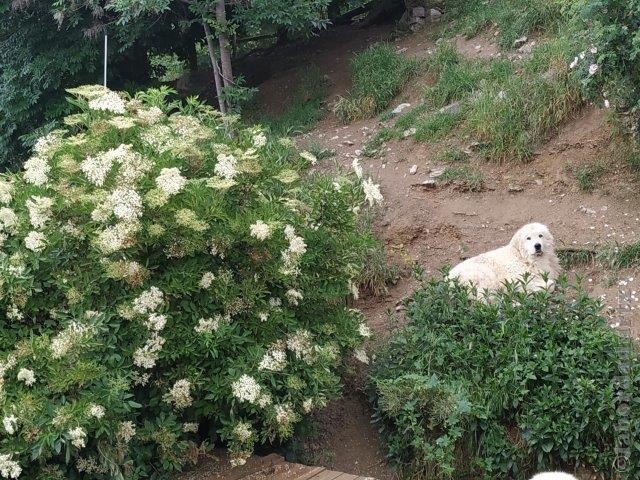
<point x="538" y="247"/>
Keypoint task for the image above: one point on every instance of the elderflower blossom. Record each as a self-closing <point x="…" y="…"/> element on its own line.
<point x="274" y="360"/>
<point x="226" y="166"/>
<point x="96" y="168"/>
<point x="109" y="101"/>
<point x="307" y="405"/>
<point x="361" y="356"/>
<point x="35" y="241"/>
<point x="190" y="427"/>
<point x="207" y="325"/>
<point x="364" y="330"/>
<point x="593" y="68"/>
<point x="126" y="432"/>
<point x="148" y="301"/>
<point x="116" y="237"/>
<point x="259" y="140"/>
<point x="126" y="203"/>
<point x="8" y="220"/>
<point x="36" y="170"/>
<point x="573" y="63"/>
<point x="149" y="115"/>
<point x="170" y="181"/>
<point x="246" y="389"/>
<point x="353" y="288"/>
<point x="206" y="280"/>
<point x="65" y="340"/>
<point x="147" y="355"/>
<point x="607" y="104"/>
<point x="27" y="376"/>
<point x="310" y="157"/>
<point x="243" y="431"/>
<point x="357" y="168"/>
<point x="8" y="467"/>
<point x="189" y="219"/>
<point x="180" y="394"/>
<point x="39" y="210"/>
<point x="372" y="192"/>
<point x="97" y="411"/>
<point x="260" y="230"/>
<point x="156" y="322"/>
<point x="300" y="343"/>
<point x="239" y="458"/>
<point x="78" y="437"/>
<point x="6" y="191"/>
<point x="294" y="296"/>
<point x="285" y="414"/>
<point x="10" y="424"/>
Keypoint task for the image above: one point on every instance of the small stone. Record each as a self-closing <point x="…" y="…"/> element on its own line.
<point x="478" y="47"/>
<point x="358" y="153"/>
<point x="451" y="109"/>
<point x="435" y="13"/>
<point x="347" y="143"/>
<point x="513" y="188"/>
<point x="538" y="181"/>
<point x="400" y="308"/>
<point x="436" y="173"/>
<point x="518" y="42"/>
<point x="588" y="211"/>
<point x="419" y="12"/>
<point x="413" y="169"/>
<point x="527" y="48"/>
<point x="400" y="108"/>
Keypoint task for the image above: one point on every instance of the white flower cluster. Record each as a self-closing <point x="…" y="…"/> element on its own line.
<point x="372" y="192"/>
<point x="291" y="256"/>
<point x="126" y="204"/>
<point x="148" y="301"/>
<point x="260" y="230"/>
<point x="246" y="389"/>
<point x="69" y="337"/>
<point x="78" y="437"/>
<point x="8" y="220"/>
<point x="593" y="67"/>
<point x="116" y="237"/>
<point x="6" y="191"/>
<point x="36" y="171"/>
<point x="27" y="376"/>
<point x="8" y="467"/>
<point x="364" y="330"/>
<point x="39" y="210"/>
<point x="109" y="101"/>
<point x="190" y="427"/>
<point x="170" y="181"/>
<point x="353" y="288"/>
<point x="180" y="394"/>
<point x="274" y="360"/>
<point x="147" y="355"/>
<point x="208" y="325"/>
<point x="90" y="466"/>
<point x="294" y="296"/>
<point x="285" y="414"/>
<point x="243" y="431"/>
<point x="299" y="343"/>
<point x="357" y="168"/>
<point x="156" y="322"/>
<point x="361" y="356"/>
<point x="206" y="280"/>
<point x="310" y="157"/>
<point x="149" y="115"/>
<point x="35" y="241"/>
<point x="10" y="424"/>
<point x="259" y="140"/>
<point x="226" y="166"/>
<point x="126" y="432"/>
<point x="97" y="411"/>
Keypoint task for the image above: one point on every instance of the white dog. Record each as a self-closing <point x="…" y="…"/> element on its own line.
<point x="553" y="476"/>
<point x="531" y="250"/>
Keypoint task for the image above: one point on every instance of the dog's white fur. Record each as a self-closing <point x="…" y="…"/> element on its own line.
<point x="509" y="263"/>
<point x="553" y="476"/>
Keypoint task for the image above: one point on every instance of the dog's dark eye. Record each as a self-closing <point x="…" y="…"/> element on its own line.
<point x="528" y="238"/>
<point x="540" y="235"/>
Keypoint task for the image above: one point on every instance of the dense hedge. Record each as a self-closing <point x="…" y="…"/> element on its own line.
<point x="529" y="382"/>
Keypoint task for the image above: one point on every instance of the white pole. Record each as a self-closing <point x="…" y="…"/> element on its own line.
<point x="104" y="80"/>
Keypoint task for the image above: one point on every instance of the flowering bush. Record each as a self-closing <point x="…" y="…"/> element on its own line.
<point x="168" y="276"/>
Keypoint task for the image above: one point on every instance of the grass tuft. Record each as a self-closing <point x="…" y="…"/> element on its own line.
<point x="452" y="155"/>
<point x="464" y="178"/>
<point x="378" y="74"/>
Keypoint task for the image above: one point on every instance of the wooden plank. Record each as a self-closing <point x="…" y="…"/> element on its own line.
<point x="346" y="476"/>
<point x="311" y="474"/>
<point x="327" y="475"/>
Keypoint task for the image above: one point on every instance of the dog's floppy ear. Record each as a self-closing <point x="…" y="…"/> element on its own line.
<point x="517" y="244"/>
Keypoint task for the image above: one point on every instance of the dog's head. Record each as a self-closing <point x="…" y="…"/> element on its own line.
<point x="532" y="241"/>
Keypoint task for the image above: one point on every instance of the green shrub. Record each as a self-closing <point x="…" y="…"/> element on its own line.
<point x="168" y="278"/>
<point x="379" y="73"/>
<point x="527" y="382"/>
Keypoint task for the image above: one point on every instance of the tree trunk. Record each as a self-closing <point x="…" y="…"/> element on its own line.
<point x="225" y="48"/>
<point x="216" y="67"/>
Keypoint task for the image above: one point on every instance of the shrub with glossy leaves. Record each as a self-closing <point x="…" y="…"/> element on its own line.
<point x="167" y="276"/>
